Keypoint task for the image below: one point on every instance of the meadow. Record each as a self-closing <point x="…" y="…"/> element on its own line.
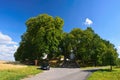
<point x="16" y="71"/>
<point x="105" y="74"/>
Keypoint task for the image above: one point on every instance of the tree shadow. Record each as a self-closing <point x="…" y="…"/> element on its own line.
<point x="91" y="70"/>
<point x="106" y="70"/>
<point x="101" y="70"/>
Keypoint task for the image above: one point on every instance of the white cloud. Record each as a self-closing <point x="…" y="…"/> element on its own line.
<point x="5" y="39"/>
<point x="88" y="22"/>
<point x="7" y="47"/>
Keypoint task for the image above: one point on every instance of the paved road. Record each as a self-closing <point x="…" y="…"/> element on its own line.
<point x="62" y="74"/>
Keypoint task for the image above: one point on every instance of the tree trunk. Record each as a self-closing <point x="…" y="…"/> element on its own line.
<point x="36" y="62"/>
<point x="94" y="63"/>
<point x="110" y="67"/>
<point x="65" y="58"/>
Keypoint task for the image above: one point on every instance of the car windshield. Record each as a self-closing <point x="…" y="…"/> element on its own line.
<point x="45" y="64"/>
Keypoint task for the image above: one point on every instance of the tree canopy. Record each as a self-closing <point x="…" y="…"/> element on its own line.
<point x="45" y="35"/>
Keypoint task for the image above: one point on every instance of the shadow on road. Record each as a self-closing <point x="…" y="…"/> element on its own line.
<point x="91" y="70"/>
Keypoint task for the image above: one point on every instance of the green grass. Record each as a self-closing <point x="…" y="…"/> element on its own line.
<point x="17" y="74"/>
<point x="105" y="74"/>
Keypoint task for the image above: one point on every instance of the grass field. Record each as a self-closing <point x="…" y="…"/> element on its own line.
<point x="105" y="74"/>
<point x="13" y="71"/>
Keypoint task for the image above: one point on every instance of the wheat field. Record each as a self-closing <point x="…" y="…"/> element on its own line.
<point x="4" y="65"/>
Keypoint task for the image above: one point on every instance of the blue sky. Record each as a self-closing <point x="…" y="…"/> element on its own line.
<point x="104" y="15"/>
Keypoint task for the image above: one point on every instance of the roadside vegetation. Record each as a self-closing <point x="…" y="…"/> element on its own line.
<point x="105" y="74"/>
<point x="12" y="71"/>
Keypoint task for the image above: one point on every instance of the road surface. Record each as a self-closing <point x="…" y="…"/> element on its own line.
<point x="62" y="74"/>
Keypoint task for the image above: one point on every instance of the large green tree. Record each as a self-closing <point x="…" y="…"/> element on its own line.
<point x="42" y="36"/>
<point x="110" y="56"/>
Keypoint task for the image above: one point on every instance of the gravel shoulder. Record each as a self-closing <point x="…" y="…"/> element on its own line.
<point x="62" y="74"/>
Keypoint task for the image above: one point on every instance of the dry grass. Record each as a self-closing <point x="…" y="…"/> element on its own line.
<point x="10" y="65"/>
<point x="16" y="71"/>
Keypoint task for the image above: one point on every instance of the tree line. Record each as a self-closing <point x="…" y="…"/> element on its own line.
<point x="45" y="35"/>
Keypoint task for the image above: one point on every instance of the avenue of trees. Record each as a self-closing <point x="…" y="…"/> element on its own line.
<point x="45" y="35"/>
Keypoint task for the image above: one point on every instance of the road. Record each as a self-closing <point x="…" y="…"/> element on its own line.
<point x="62" y="74"/>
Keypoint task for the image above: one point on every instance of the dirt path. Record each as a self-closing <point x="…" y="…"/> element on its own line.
<point x="62" y="74"/>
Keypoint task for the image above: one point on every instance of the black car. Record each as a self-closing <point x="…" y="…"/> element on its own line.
<point x="45" y="66"/>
